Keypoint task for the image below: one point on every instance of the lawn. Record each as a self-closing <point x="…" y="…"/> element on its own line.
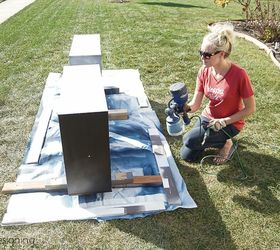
<point x="161" y="39"/>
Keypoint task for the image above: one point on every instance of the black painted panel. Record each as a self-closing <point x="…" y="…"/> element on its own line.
<point x="85" y="142"/>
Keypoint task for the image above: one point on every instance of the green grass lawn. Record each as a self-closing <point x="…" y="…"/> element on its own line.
<point x="161" y="39"/>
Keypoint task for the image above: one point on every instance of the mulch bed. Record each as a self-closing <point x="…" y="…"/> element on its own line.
<point x="242" y="27"/>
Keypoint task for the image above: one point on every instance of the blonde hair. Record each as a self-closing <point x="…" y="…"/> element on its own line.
<point x="221" y="36"/>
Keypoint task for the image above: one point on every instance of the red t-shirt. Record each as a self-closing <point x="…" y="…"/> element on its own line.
<point x="225" y="95"/>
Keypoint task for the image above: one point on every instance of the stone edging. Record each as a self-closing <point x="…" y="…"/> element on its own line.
<point x="260" y="45"/>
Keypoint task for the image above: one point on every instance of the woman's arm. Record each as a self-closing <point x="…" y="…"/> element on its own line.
<point x="249" y="108"/>
<point x="195" y="103"/>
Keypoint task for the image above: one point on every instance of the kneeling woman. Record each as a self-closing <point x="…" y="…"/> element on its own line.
<point x="230" y="94"/>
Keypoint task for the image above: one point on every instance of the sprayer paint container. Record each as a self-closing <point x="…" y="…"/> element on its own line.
<point x="174" y="126"/>
<point x="179" y="93"/>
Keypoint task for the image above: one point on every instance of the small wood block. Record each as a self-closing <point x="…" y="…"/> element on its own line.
<point x="159" y="150"/>
<point x="118" y="114"/>
<point x="123" y="176"/>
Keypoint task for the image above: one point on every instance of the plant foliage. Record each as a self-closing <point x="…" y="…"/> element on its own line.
<point x="262" y="16"/>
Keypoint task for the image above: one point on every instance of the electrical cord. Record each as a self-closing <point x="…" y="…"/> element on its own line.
<point x="228" y="158"/>
<point x="235" y="152"/>
<point x="232" y="154"/>
<point x="207" y="132"/>
<point x="200" y="122"/>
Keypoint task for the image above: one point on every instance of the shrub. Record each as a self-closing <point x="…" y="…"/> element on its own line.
<point x="265" y="18"/>
<point x="261" y="16"/>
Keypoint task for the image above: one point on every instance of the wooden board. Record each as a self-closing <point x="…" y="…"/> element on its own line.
<point x="171" y="192"/>
<point x="90" y="212"/>
<point x="53" y="185"/>
<point x="42" y="120"/>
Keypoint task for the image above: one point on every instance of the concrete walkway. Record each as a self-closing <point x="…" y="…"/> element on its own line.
<point x="9" y="8"/>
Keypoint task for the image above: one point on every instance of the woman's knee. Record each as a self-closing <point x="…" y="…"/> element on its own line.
<point x="188" y="154"/>
<point x="192" y="142"/>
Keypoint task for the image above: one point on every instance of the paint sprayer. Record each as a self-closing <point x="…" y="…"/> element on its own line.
<point x="176" y="116"/>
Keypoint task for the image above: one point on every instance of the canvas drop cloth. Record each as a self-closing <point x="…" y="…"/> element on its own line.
<point x="131" y="151"/>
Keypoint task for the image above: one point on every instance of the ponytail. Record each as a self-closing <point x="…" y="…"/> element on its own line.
<point x="221" y="36"/>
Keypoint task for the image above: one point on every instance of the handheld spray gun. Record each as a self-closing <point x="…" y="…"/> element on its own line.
<point x="176" y="117"/>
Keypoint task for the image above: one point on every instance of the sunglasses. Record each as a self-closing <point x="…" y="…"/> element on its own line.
<point x="207" y="55"/>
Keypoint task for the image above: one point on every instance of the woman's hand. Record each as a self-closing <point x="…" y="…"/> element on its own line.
<point x="217" y="124"/>
<point x="187" y="108"/>
<point x="195" y="103"/>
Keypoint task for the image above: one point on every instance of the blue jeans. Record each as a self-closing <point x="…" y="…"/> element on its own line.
<point x="192" y="147"/>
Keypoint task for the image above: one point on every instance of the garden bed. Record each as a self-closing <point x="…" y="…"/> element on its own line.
<point x="244" y="27"/>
